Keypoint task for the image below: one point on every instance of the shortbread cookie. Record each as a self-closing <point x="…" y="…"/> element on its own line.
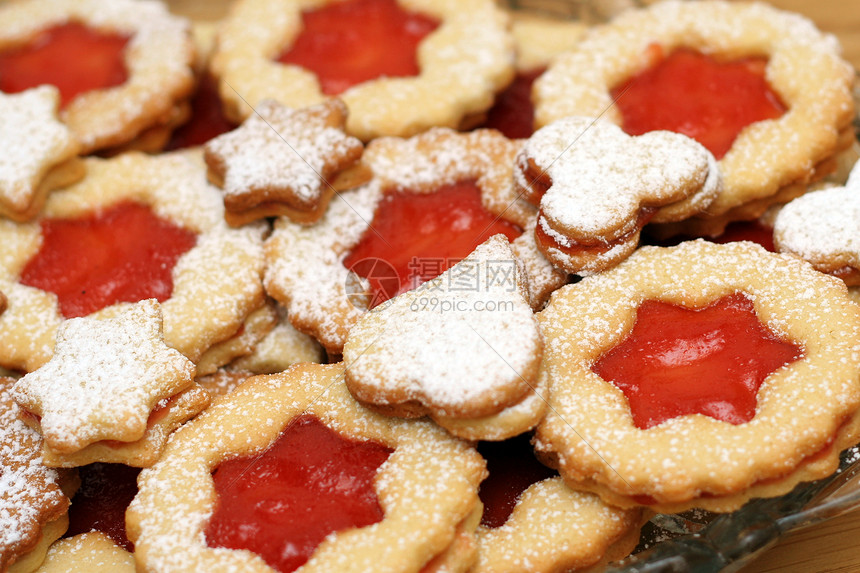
<point x="145" y="208"/>
<point x="427" y="482"/>
<point x="255" y="328"/>
<point x="532" y="521"/>
<point x="438" y="184"/>
<point x="597" y="187"/>
<point x="285" y="162"/>
<point x="147" y="63"/>
<point x="104" y="379"/>
<point x="31" y="495"/>
<point x="659" y="418"/>
<point x="801" y="65"/>
<point x="92" y="552"/>
<point x="464" y="345"/>
<point x="40" y="153"/>
<point x="460" y="64"/>
<point x="821" y="227"/>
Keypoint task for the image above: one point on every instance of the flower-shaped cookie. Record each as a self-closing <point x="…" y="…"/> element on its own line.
<point x="597" y="187"/>
<point x="282" y="161"/>
<point x="39" y="152"/>
<point x="462" y="346"/>
<point x="821" y="227"/>
<point x="104" y="379"/>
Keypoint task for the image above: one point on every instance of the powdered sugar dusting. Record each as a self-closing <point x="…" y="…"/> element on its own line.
<point x="460" y="339"/>
<point x="104" y="378"/>
<point x="33" y="140"/>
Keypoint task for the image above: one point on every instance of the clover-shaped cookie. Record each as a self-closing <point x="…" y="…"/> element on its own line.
<point x="463" y="348"/>
<point x="39" y="152"/>
<point x="821" y="227"/>
<point x="282" y="161"/>
<point x="105" y="378"/>
<point x="597" y="187"/>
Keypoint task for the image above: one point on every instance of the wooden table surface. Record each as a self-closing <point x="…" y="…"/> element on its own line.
<point x="833" y="546"/>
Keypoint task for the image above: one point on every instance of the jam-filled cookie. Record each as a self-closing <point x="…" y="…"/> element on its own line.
<point x="763" y="89"/>
<point x="464" y="346"/>
<point x="401" y="494"/>
<point x="433" y="198"/>
<point x="34" y="499"/>
<point x="122" y="69"/>
<point x="91" y="552"/>
<point x="40" y="153"/>
<point x="597" y="187"/>
<point x="700" y="376"/>
<point x="401" y="66"/>
<point x="285" y="162"/>
<point x="136" y="227"/>
<point x="821" y="227"/>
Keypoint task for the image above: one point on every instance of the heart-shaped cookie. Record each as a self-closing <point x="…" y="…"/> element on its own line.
<point x="465" y="345"/>
<point x="597" y="187"/>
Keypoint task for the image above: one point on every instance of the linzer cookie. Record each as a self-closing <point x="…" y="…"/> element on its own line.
<point x="33" y="503"/>
<point x="92" y="552"/>
<point x="463" y="346"/>
<point x="411" y="490"/>
<point x="40" y="153"/>
<point x="137" y="72"/>
<point x="821" y="227"/>
<point x="700" y="375"/>
<point x="763" y="89"/>
<point x="285" y="162"/>
<point x="433" y="198"/>
<point x="136" y="227"/>
<point x="597" y="187"/>
<point x="105" y="381"/>
<point x="401" y="66"/>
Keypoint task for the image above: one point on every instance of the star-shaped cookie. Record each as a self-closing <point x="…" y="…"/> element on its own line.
<point x="39" y="152"/>
<point x="104" y="379"/>
<point x="282" y="161"/>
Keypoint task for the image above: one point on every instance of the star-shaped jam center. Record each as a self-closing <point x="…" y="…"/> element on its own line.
<point x="712" y="361"/>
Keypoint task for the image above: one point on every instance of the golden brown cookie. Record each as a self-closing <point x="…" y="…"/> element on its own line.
<point x="462" y="62"/>
<point x="41" y="154"/>
<point x="156" y="59"/>
<point x="597" y="187"/>
<point x="92" y="552"/>
<point x="221" y="270"/>
<point x="428" y="484"/>
<point x="769" y="159"/>
<point x="285" y="162"/>
<point x="666" y="437"/>
<point x="463" y="346"/>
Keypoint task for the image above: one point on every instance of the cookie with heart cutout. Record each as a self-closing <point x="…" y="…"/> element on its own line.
<point x="464" y="346"/>
<point x="597" y="187"/>
<point x="821" y="227"/>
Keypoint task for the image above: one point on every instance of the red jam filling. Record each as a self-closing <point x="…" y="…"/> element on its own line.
<point x="101" y="501"/>
<point x="710" y="361"/>
<point x="310" y="483"/>
<point x="122" y="254"/>
<point x="699" y="96"/>
<point x="350" y="42"/>
<point x="421" y="235"/>
<point x="207" y="118"/>
<point x="513" y="467"/>
<point x="513" y="112"/>
<point x="72" y="57"/>
<point x="747" y="231"/>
